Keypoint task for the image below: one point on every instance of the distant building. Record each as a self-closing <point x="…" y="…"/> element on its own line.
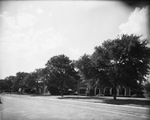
<point x="85" y="89"/>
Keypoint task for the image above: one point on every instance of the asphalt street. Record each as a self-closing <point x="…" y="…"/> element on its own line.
<point x="22" y="107"/>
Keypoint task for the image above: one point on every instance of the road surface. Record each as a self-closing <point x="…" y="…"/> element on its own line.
<point x="22" y="107"/>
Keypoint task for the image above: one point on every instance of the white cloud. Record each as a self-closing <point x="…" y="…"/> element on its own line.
<point x="74" y="50"/>
<point x="28" y="50"/>
<point x="39" y="11"/>
<point x="24" y="45"/>
<point x="18" y="22"/>
<point x="25" y="20"/>
<point x="50" y="14"/>
<point x="137" y="23"/>
<point x="8" y="21"/>
<point x="48" y="38"/>
<point x="31" y="42"/>
<point x="75" y="53"/>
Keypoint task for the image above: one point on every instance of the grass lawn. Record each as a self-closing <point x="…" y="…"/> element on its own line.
<point x="141" y="102"/>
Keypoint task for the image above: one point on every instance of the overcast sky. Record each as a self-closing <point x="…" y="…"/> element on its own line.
<point x="31" y="32"/>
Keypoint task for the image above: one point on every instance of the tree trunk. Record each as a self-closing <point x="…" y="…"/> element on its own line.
<point x="37" y="88"/>
<point x="62" y="87"/>
<point x="0" y="101"/>
<point x="115" y="91"/>
<point x="114" y="95"/>
<point x="62" y="92"/>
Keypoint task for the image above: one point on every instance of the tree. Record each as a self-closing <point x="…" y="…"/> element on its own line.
<point x="86" y="70"/>
<point x="36" y="79"/>
<point x="61" y="72"/>
<point x="18" y="81"/>
<point x="125" y="60"/>
<point x="85" y="66"/>
<point x="92" y="74"/>
<point x="6" y="84"/>
<point x="147" y="87"/>
<point x="39" y="77"/>
<point x="30" y="82"/>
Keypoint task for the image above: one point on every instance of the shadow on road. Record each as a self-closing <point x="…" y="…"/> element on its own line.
<point x="119" y="101"/>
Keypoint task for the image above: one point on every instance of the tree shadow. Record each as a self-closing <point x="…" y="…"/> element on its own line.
<point x="80" y="97"/>
<point x="128" y="102"/>
<point x="118" y="101"/>
<point x="39" y="95"/>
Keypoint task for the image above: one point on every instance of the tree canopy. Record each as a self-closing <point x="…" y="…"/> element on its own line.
<point x="62" y="72"/>
<point x="124" y="61"/>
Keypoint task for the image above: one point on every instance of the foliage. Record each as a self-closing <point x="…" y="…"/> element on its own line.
<point x="85" y="66"/>
<point x="30" y="81"/>
<point x="54" y="90"/>
<point x="147" y="87"/>
<point x="7" y="83"/>
<point x="61" y="72"/>
<point x="18" y="81"/>
<point x="125" y="59"/>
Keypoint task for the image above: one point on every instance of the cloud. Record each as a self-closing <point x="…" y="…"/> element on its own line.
<point x="25" y="51"/>
<point x="24" y="44"/>
<point x="50" y="14"/>
<point x="8" y="21"/>
<point x="39" y="11"/>
<point x="16" y="23"/>
<point x="31" y="42"/>
<point x="48" y="38"/>
<point x="137" y="23"/>
<point x="25" y="20"/>
<point x="14" y="34"/>
<point x="75" y="53"/>
<point x="74" y="50"/>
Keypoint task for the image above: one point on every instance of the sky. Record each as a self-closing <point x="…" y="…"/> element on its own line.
<point x="31" y="32"/>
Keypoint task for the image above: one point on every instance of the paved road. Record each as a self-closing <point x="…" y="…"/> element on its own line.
<point x="18" y="107"/>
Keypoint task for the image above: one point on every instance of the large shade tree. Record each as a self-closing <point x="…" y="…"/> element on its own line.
<point x="40" y="78"/>
<point x="85" y="67"/>
<point x="93" y="74"/>
<point x="18" y="81"/>
<point x="30" y="82"/>
<point x="87" y="71"/>
<point x="61" y="72"/>
<point x="125" y="60"/>
<point x="6" y="84"/>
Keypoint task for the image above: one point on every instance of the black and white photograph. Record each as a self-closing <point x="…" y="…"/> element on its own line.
<point x="74" y="60"/>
